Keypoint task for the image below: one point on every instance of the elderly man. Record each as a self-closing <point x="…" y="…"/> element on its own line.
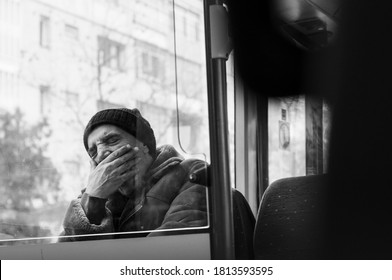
<point x="133" y="186"/>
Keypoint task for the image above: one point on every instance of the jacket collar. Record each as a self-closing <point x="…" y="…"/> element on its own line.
<point x="167" y="157"/>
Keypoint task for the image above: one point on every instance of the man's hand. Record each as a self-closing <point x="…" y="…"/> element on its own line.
<point x="118" y="167"/>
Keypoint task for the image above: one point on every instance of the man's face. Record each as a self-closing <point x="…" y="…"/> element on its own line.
<point x="105" y="139"/>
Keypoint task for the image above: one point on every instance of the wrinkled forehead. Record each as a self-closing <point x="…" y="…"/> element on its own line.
<point x="106" y="130"/>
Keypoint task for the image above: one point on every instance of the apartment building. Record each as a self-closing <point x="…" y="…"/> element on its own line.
<point x="62" y="60"/>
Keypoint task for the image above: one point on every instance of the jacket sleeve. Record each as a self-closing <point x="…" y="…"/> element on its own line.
<point x="189" y="207"/>
<point x="77" y="223"/>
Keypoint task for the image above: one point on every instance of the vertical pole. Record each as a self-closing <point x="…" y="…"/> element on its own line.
<point x="222" y="238"/>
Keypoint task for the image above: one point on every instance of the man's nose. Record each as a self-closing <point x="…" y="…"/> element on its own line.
<point x="102" y="154"/>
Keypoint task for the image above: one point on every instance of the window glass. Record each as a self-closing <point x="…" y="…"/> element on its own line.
<point x="115" y="54"/>
<point x="72" y="32"/>
<point x="326" y="134"/>
<point x="190" y="78"/>
<point x="231" y="115"/>
<point x="286" y="131"/>
<point x="44" y="30"/>
<point x="298" y="136"/>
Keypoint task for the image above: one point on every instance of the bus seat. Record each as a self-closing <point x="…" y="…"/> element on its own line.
<point x="244" y="225"/>
<point x="243" y="219"/>
<point x="290" y="220"/>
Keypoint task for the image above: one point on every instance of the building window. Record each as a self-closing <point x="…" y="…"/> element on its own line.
<point x="45" y="99"/>
<point x="284" y="114"/>
<point x="72" y="32"/>
<point x="152" y="66"/>
<point x="110" y="53"/>
<point x="44" y="32"/>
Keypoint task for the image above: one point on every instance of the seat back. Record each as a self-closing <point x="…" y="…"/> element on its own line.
<point x="243" y="219"/>
<point x="244" y="225"/>
<point x="290" y="220"/>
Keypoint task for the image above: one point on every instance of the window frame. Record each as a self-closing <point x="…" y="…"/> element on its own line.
<point x="44" y="32"/>
<point x="106" y="57"/>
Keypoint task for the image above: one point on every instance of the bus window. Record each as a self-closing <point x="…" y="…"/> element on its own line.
<point x="286" y="137"/>
<point x="277" y="138"/>
<point x="62" y="62"/>
<point x="190" y="88"/>
<point x="298" y="134"/>
<point x="231" y="115"/>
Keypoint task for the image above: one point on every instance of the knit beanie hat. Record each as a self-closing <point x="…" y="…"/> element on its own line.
<point x="129" y="120"/>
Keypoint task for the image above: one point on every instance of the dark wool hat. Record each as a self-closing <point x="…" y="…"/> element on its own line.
<point x="129" y="120"/>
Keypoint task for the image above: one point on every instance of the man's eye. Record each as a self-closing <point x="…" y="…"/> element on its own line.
<point x="92" y="154"/>
<point x="112" y="140"/>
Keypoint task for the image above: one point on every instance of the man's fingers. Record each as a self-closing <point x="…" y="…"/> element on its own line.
<point x="131" y="164"/>
<point x="125" y="158"/>
<point x="117" y="153"/>
<point x="126" y="166"/>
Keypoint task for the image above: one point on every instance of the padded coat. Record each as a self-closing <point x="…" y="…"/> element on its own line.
<point x="170" y="201"/>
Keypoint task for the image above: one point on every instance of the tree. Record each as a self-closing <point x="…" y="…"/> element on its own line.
<point x="27" y="177"/>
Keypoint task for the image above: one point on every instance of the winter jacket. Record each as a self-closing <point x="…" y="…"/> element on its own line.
<point x="169" y="201"/>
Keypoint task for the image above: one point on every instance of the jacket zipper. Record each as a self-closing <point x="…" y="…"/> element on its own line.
<point x="135" y="210"/>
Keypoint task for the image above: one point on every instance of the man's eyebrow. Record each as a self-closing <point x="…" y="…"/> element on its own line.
<point x="108" y="135"/>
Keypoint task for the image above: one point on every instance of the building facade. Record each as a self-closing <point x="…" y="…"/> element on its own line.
<point x="61" y="61"/>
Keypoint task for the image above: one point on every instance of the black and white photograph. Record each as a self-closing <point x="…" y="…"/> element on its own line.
<point x="195" y="130"/>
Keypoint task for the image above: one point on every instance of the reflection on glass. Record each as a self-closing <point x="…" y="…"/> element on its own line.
<point x="326" y="134"/>
<point x="286" y="130"/>
<point x="298" y="136"/>
<point x="60" y="63"/>
<point x="231" y="115"/>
